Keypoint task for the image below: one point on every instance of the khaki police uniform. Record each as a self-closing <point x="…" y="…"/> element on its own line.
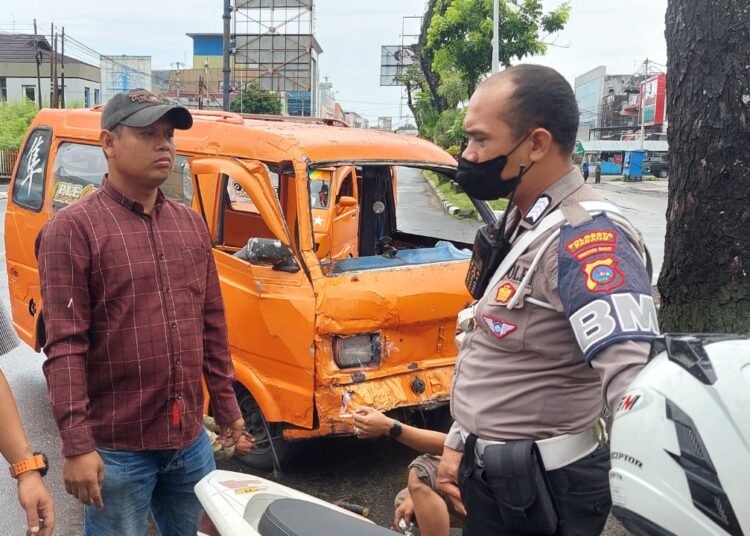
<point x="564" y="330"/>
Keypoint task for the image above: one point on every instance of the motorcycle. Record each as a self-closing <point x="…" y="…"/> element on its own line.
<point x="237" y="504"/>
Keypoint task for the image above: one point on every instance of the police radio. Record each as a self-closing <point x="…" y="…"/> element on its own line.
<point x="491" y="246"/>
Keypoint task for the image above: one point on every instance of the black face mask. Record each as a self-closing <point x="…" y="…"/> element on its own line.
<point x="483" y="181"/>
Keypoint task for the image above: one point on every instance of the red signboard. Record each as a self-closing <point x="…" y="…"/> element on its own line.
<point x="653" y="97"/>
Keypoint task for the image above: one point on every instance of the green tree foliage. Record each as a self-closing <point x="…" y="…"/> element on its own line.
<point x="454" y="52"/>
<point x="15" y="119"/>
<point x="253" y="100"/>
<point x="460" y="34"/>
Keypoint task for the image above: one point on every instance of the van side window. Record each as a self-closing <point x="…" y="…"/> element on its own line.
<point x="346" y="188"/>
<point x="79" y="169"/>
<point x="28" y="188"/>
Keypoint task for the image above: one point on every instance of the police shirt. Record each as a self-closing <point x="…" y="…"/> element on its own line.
<point x="577" y="334"/>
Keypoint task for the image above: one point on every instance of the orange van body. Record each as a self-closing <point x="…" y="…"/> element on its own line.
<point x="338" y="323"/>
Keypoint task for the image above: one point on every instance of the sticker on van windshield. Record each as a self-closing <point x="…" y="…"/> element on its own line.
<point x="67" y="192"/>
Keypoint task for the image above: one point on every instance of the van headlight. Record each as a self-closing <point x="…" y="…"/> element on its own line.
<point x="357" y="351"/>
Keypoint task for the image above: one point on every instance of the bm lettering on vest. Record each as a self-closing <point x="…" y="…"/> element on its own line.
<point x="613" y="318"/>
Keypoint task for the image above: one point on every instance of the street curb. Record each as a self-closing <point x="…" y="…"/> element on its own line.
<point x="449" y="207"/>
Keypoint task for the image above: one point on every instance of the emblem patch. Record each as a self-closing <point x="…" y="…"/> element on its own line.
<point x="602" y="275"/>
<point x="592" y="243"/>
<point x="538" y="209"/>
<point x="499" y="328"/>
<point x="505" y="292"/>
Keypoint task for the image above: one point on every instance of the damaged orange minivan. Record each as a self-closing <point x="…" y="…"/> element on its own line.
<point x="334" y="295"/>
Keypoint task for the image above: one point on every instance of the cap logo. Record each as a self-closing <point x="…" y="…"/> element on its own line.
<point x="143" y="95"/>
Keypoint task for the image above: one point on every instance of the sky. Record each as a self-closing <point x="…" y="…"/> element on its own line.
<point x="619" y="34"/>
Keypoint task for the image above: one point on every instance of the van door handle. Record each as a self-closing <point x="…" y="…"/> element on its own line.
<point x="14" y="275"/>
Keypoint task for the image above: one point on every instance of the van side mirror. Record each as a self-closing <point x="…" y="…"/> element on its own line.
<point x="269" y="251"/>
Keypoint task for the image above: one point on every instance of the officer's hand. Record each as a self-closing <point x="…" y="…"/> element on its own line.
<point x="83" y="476"/>
<point x="369" y="423"/>
<point x="404" y="511"/>
<point x="37" y="502"/>
<point x="230" y="433"/>
<point x="447" y="477"/>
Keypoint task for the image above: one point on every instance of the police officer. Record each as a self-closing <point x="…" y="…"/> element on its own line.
<point x="562" y="326"/>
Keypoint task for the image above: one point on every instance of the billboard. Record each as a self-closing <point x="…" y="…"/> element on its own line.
<point x="394" y="61"/>
<point x="653" y="98"/>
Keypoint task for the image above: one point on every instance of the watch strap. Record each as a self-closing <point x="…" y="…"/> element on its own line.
<point x="37" y="462"/>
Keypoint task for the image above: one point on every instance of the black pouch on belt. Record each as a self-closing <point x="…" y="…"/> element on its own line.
<point x="515" y="473"/>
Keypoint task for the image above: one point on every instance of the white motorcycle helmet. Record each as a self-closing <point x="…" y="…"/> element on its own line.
<point x="680" y="443"/>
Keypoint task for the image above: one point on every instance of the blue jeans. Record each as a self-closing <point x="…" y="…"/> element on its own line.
<point x="161" y="481"/>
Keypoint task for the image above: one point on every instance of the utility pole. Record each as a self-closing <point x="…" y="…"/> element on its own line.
<point x="62" y="61"/>
<point x="178" y="75"/>
<point x="52" y="67"/>
<point x="643" y="91"/>
<point x="496" y="36"/>
<point x="227" y="21"/>
<point x="38" y="57"/>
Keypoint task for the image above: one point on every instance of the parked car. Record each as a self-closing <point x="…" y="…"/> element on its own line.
<point x="328" y="301"/>
<point x="659" y="169"/>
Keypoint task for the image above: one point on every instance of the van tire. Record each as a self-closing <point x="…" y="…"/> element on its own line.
<point x="261" y="457"/>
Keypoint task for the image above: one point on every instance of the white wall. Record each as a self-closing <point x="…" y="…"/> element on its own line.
<point x="74" y="90"/>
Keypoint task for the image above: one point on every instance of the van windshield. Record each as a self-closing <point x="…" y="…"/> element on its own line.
<point x="79" y="169"/>
<point x="385" y="216"/>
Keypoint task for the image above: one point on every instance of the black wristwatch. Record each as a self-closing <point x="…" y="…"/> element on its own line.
<point x="395" y="430"/>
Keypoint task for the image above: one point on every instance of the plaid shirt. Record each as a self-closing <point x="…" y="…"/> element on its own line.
<point x="133" y="315"/>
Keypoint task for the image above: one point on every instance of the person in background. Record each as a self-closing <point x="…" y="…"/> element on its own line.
<point x="421" y="498"/>
<point x="26" y="467"/>
<point x="598" y="173"/>
<point x="585" y="169"/>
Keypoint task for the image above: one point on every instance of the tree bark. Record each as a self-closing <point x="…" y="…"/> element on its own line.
<point x="705" y="280"/>
<point x="426" y="58"/>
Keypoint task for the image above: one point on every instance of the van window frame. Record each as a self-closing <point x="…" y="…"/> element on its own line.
<point x="47" y="130"/>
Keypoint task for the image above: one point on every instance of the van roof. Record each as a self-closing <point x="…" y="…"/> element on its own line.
<point x="271" y="139"/>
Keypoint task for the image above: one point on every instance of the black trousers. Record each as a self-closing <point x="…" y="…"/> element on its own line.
<point x="581" y="491"/>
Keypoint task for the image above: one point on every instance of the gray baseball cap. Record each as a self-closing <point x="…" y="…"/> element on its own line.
<point x="141" y="108"/>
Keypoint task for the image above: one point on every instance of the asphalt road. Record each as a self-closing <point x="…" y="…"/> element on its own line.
<point x="362" y="472"/>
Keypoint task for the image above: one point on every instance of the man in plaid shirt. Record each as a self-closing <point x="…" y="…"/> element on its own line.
<point x="134" y="318"/>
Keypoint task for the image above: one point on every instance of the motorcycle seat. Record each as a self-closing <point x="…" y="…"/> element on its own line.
<point x="295" y="517"/>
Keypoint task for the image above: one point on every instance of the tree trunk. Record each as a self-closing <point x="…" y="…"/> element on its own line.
<point x="425" y="60"/>
<point x="705" y="280"/>
<point x="410" y="104"/>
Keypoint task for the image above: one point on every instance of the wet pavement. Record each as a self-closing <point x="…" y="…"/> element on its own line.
<point x="367" y="473"/>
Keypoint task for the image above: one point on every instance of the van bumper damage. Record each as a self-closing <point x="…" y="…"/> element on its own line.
<point x="334" y="403"/>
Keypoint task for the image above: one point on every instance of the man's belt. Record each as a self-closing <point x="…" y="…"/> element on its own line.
<point x="557" y="452"/>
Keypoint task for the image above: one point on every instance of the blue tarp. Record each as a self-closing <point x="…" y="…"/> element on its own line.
<point x="442" y="252"/>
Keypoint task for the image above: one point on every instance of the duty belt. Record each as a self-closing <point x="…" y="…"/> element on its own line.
<point x="557" y="452"/>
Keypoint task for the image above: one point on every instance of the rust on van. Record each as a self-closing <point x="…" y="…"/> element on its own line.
<point x="330" y="304"/>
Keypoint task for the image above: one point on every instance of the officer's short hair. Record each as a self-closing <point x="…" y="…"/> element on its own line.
<point x="542" y="98"/>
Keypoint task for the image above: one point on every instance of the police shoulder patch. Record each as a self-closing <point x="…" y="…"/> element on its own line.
<point x="499" y="328"/>
<point x="604" y="286"/>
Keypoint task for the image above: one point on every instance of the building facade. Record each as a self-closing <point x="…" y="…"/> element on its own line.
<point x="18" y="73"/>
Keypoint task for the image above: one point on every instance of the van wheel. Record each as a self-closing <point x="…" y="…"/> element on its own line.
<point x="663" y="173"/>
<point x="261" y="457"/>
